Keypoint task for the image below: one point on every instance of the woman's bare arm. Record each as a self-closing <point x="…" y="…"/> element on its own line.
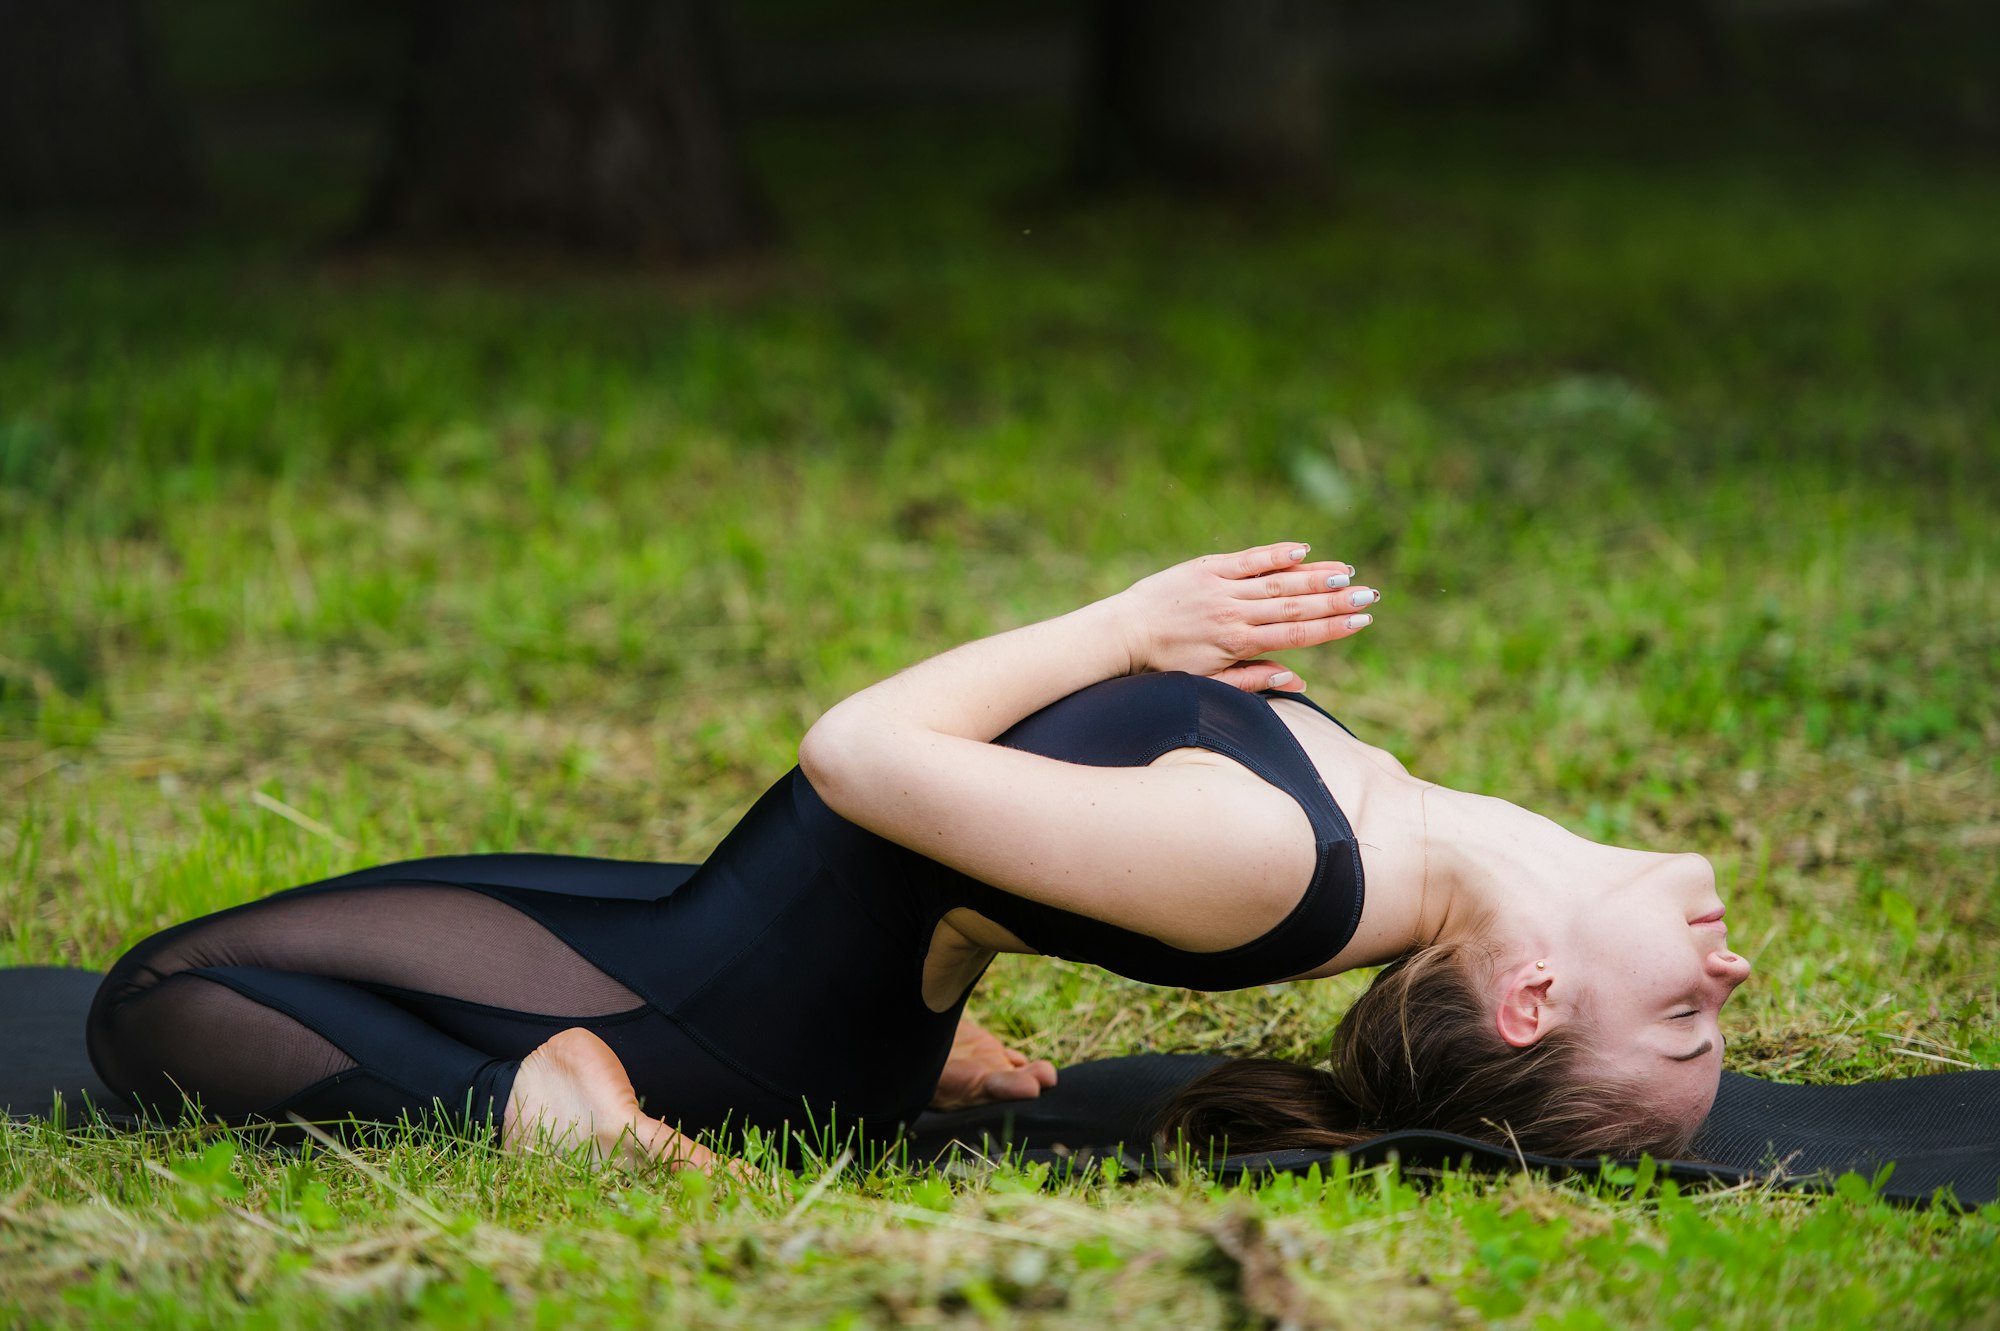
<point x="1189" y="852"/>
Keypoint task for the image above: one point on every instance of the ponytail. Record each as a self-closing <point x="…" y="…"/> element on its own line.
<point x="1250" y="1105"/>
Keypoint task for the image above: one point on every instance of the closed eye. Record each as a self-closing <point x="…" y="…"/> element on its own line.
<point x="1691" y="1012"/>
<point x="1694" y="1053"/>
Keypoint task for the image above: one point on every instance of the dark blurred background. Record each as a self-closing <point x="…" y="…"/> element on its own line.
<point x="614" y="128"/>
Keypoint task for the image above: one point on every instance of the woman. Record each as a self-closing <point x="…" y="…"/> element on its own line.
<point x="1128" y="784"/>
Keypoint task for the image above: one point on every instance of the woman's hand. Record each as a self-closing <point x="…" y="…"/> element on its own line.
<point x="980" y="1069"/>
<point x="1216" y="615"/>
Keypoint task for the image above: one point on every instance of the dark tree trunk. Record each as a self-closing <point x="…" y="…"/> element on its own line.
<point x="83" y="127"/>
<point x="603" y="126"/>
<point x="1655" y="46"/>
<point x="1231" y="96"/>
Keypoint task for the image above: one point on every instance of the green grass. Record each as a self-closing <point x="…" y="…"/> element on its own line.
<point x="1678" y="465"/>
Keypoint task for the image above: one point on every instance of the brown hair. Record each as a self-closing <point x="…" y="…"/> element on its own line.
<point x="1420" y="1049"/>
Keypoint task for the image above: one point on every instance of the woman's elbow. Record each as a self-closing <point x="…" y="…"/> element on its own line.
<point x="852" y="755"/>
<point x="816" y="754"/>
<point x="830" y="752"/>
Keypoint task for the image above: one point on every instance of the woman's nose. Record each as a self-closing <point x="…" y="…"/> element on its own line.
<point x="1728" y="966"/>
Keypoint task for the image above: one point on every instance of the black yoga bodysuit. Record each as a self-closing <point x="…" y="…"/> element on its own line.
<point x="781" y="981"/>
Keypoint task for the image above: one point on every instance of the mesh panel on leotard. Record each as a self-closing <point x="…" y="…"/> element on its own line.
<point x="208" y="1042"/>
<point x="429" y="938"/>
<point x="246" y="1009"/>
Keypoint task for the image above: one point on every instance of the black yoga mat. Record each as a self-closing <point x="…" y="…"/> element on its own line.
<point x="1941" y="1131"/>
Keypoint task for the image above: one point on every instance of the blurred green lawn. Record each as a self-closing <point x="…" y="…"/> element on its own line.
<point x="1678" y="466"/>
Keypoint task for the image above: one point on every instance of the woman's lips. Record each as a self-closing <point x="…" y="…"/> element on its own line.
<point x="1713" y="917"/>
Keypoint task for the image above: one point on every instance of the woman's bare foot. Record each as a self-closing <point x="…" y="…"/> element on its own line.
<point x="572" y="1091"/>
<point x="980" y="1069"/>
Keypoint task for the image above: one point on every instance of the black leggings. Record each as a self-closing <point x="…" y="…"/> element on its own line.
<point x="777" y="985"/>
<point x="387" y="992"/>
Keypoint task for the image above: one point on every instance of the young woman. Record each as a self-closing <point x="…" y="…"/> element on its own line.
<point x="1129" y="784"/>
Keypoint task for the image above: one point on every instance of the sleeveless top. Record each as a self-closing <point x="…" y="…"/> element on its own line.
<point x="1128" y="722"/>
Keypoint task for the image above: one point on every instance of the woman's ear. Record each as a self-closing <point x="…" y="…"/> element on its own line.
<point x="1525" y="1015"/>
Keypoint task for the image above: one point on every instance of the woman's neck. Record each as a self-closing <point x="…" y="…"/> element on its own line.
<point x="1433" y="859"/>
<point x="1446" y="865"/>
<point x="1518" y="879"/>
<point x="1442" y="864"/>
<point x="1493" y="863"/>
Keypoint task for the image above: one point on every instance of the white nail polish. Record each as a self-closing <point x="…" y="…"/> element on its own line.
<point x="1363" y="597"/>
<point x="1298" y="554"/>
<point x="1336" y="580"/>
<point x="1360" y="621"/>
<point x="1282" y="677"/>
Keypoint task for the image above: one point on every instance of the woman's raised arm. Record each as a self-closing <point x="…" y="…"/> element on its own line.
<point x="1168" y="850"/>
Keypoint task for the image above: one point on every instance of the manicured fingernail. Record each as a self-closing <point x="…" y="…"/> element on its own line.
<point x="1300" y="553"/>
<point x="1282" y="677"/>
<point x="1364" y="596"/>
<point x="1337" y="580"/>
<point x="1360" y="621"/>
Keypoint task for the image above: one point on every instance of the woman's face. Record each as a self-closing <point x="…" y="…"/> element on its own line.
<point x="1656" y="969"/>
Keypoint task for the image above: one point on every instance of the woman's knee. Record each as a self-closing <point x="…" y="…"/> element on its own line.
<point x="112" y="1029"/>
